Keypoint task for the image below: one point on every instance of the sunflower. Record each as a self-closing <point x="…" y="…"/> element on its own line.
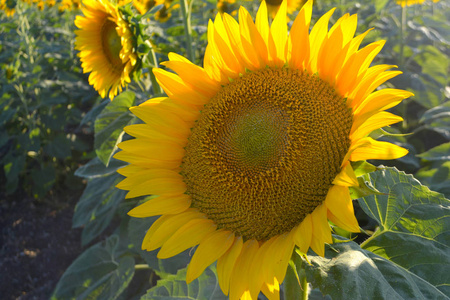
<point x="251" y="155"/>
<point x="404" y="3"/>
<point x="144" y="6"/>
<point x="106" y="46"/>
<point x="274" y="5"/>
<point x="8" y="6"/>
<point x="69" y="5"/>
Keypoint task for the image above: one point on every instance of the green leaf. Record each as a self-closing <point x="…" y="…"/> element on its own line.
<point x="441" y="152"/>
<point x="59" y="147"/>
<point x="98" y="273"/>
<point x="137" y="227"/>
<point x="380" y="4"/>
<point x="95" y="168"/>
<point x="362" y="167"/>
<point x="43" y="179"/>
<point x="437" y="177"/>
<point x="349" y="272"/>
<point x="97" y="206"/>
<point x="110" y="123"/>
<point x="12" y="167"/>
<point x="414" y="226"/>
<point x="441" y="111"/>
<point x="206" y="286"/>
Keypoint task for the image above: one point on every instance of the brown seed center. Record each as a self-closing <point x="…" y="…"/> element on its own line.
<point x="265" y="151"/>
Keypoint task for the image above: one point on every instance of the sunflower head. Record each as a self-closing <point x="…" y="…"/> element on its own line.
<point x="251" y="153"/>
<point x="404" y="3"/>
<point x="274" y="5"/>
<point x="8" y="6"/>
<point x="107" y="46"/>
<point x="144" y="6"/>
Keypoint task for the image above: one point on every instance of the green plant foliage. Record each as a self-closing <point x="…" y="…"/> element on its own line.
<point x="441" y="152"/>
<point x="101" y="272"/>
<point x="349" y="272"/>
<point x="206" y="286"/>
<point x="407" y="257"/>
<point x="414" y="226"/>
<point x="110" y="123"/>
<point x="43" y="98"/>
<point x="95" y="168"/>
<point x="97" y="206"/>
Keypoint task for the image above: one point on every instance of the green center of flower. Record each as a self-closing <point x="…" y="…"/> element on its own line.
<point x="112" y="45"/>
<point x="265" y="151"/>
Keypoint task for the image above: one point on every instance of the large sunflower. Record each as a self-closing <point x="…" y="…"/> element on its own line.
<point x="106" y="46"/>
<point x="250" y="155"/>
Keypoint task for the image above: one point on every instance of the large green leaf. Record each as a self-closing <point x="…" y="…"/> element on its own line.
<point x="436" y="176"/>
<point x="137" y="228"/>
<point x="205" y="287"/>
<point x="110" y="123"/>
<point x="414" y="227"/>
<point x="97" y="206"/>
<point x="349" y="272"/>
<point x="95" y="168"/>
<point x="98" y="273"/>
<point x="441" y="152"/>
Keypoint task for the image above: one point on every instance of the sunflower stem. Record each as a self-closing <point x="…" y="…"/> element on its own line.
<point x="141" y="267"/>
<point x="402" y="35"/>
<point x="154" y="64"/>
<point x="186" y="14"/>
<point x="295" y="284"/>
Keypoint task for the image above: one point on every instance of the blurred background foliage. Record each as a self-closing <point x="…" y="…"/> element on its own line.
<point x="56" y="133"/>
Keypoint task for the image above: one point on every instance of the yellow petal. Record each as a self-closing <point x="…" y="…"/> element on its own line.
<point x="208" y="251"/>
<point x="144" y="131"/>
<point x="377" y="150"/>
<point x="262" y="22"/>
<point x="187" y="236"/>
<point x="163" y="228"/>
<point x="321" y="229"/>
<point x="161" y="205"/>
<point x="303" y="234"/>
<point x="316" y="38"/>
<point x="355" y="66"/>
<point x="158" y="186"/>
<point x="339" y="204"/>
<point x="226" y="263"/>
<point x="271" y="290"/>
<point x="194" y="76"/>
<point x="381" y="100"/>
<point x="144" y="161"/>
<point x="163" y="150"/>
<point x="161" y="119"/>
<point x="252" y="42"/>
<point x="147" y="174"/>
<point x="299" y="38"/>
<point x="283" y="248"/>
<point x="239" y="281"/>
<point x="279" y="34"/>
<point x="374" y="77"/>
<point x="259" y="271"/>
<point x="346" y="177"/>
<point x="177" y="89"/>
<point x="378" y="120"/>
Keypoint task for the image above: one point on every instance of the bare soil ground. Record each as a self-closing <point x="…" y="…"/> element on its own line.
<point x="37" y="244"/>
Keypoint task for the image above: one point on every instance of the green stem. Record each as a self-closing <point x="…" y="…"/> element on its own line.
<point x="295" y="285"/>
<point x="186" y="14"/>
<point x="154" y="64"/>
<point x="304" y="285"/>
<point x="141" y="267"/>
<point x="402" y="36"/>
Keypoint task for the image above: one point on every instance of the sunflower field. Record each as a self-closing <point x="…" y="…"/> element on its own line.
<point x="235" y="149"/>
